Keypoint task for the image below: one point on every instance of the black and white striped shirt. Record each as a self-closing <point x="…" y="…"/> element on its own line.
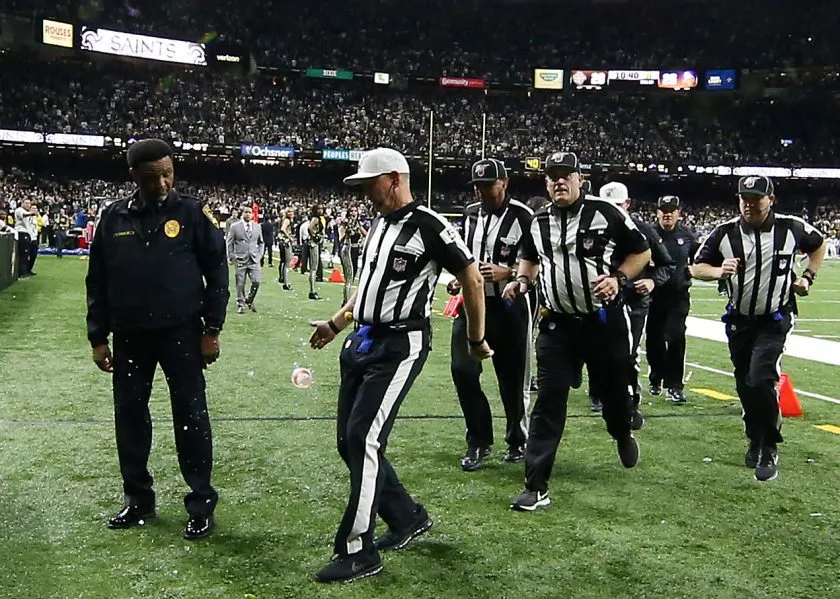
<point x="763" y="284"/>
<point x="574" y="245"/>
<point x="496" y="237"/>
<point x="402" y="259"/>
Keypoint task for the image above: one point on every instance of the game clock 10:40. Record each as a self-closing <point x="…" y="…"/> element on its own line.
<point x="633" y="80"/>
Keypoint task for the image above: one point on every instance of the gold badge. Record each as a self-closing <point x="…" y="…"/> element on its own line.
<point x="172" y="228"/>
<point x="209" y="214"/>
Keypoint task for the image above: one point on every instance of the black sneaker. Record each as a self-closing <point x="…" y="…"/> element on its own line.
<point x="472" y="458"/>
<point x="347" y="568"/>
<point x="628" y="451"/>
<point x="767" y="467"/>
<point x="514" y="455"/>
<point x="394" y="540"/>
<point x="595" y="404"/>
<point x="287" y="287"/>
<point x="655" y="389"/>
<point x="637" y="421"/>
<point x="314" y="296"/>
<point x="751" y="457"/>
<point x="529" y="501"/>
<point x="676" y="396"/>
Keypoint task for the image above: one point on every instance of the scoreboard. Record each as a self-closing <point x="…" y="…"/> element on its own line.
<point x="633" y="79"/>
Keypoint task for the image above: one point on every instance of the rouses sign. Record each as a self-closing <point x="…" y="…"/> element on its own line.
<point x="462" y="82"/>
<point x="351" y="155"/>
<point x="132" y="45"/>
<point x="267" y="151"/>
<point x="56" y="33"/>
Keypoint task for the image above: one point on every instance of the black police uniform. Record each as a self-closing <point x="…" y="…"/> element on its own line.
<point x="268" y="238"/>
<point x="146" y="286"/>
<point x="659" y="270"/>
<point x="760" y="313"/>
<point x="665" y="335"/>
<point x="402" y="259"/>
<point x="495" y="238"/>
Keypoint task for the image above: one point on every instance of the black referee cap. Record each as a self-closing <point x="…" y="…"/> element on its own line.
<point x="565" y="160"/>
<point x="147" y="150"/>
<point x="758" y="185"/>
<point x="488" y="170"/>
<point x="668" y="203"/>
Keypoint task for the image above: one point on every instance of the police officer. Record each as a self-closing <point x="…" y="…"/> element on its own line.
<point x="754" y="254"/>
<point x="493" y="228"/>
<point x="665" y="335"/>
<point x="584" y="251"/>
<point x="402" y="258"/>
<point x="636" y="293"/>
<point x="158" y="282"/>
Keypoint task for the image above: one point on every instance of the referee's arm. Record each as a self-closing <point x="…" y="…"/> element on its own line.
<point x="709" y="264"/>
<point x="630" y="242"/>
<point x="813" y="244"/>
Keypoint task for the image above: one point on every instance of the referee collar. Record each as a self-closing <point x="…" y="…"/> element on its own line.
<point x="399" y="213"/>
<point x="765" y="227"/>
<point x="573" y="209"/>
<point x="499" y="210"/>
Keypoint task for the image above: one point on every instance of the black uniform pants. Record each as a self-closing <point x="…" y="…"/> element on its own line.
<point x="268" y="250"/>
<point x="508" y="332"/>
<point x="603" y="344"/>
<point x="376" y="375"/>
<point x="136" y="356"/>
<point x="755" y="348"/>
<point x="638" y="317"/>
<point x="24" y="248"/>
<point x="665" y="341"/>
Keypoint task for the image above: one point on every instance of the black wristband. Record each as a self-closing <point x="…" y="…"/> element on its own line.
<point x="475" y="343"/>
<point x="620" y="277"/>
<point x="809" y="275"/>
<point x="212" y="331"/>
<point x="333" y="326"/>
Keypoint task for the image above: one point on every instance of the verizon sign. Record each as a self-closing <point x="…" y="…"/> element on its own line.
<point x="120" y="43"/>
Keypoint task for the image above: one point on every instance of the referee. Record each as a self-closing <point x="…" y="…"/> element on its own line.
<point x="158" y="281"/>
<point x="404" y="253"/>
<point x="755" y="254"/>
<point x="584" y="250"/>
<point x="493" y="229"/>
<point x="665" y="336"/>
<point x="636" y="294"/>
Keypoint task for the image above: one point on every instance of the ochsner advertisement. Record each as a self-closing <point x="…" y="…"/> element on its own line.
<point x="267" y="151"/>
<point x="120" y="43"/>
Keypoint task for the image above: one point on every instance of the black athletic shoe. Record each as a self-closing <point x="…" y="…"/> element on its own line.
<point x="130" y="516"/>
<point x="628" y="451"/>
<point x="751" y="457"/>
<point x="314" y="296"/>
<point x="637" y="421"/>
<point x="348" y="568"/>
<point x="473" y="457"/>
<point x="394" y="540"/>
<point x="768" y="464"/>
<point x="676" y="396"/>
<point x="655" y="389"/>
<point x="529" y="501"/>
<point x="514" y="455"/>
<point x="595" y="404"/>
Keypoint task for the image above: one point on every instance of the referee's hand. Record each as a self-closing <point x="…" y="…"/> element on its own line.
<point x="801" y="287"/>
<point x="322" y="334"/>
<point x="481" y="352"/>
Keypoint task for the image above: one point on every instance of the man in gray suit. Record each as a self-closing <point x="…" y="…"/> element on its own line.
<point x="245" y="247"/>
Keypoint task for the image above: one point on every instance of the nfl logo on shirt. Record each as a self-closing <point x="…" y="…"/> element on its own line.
<point x="588" y="243"/>
<point x="783" y="263"/>
<point x="400" y="264"/>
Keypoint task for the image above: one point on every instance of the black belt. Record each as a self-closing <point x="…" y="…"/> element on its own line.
<point x="391" y="328"/>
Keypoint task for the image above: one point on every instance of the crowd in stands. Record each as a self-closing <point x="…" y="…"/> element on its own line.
<point x="197" y="106"/>
<point x="496" y="40"/>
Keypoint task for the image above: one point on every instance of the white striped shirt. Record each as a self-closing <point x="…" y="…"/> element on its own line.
<point x="764" y="281"/>
<point x="403" y="256"/>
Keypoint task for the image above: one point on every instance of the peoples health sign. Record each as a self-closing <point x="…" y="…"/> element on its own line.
<point x="267" y="151"/>
<point x="351" y="155"/>
<point x="120" y="43"/>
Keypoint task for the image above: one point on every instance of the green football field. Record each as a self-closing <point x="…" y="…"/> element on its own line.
<point x="689" y="521"/>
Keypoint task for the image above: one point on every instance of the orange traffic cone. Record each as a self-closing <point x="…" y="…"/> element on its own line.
<point x="336" y="276"/>
<point x="788" y="402"/>
<point x="452" y="305"/>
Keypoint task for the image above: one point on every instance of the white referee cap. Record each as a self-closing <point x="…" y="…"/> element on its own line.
<point x="380" y="161"/>
<point x="614" y="192"/>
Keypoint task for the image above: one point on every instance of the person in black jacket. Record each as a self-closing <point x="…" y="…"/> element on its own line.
<point x="158" y="282"/>
<point x="665" y="335"/>
<point x="267" y="226"/>
<point x="636" y="294"/>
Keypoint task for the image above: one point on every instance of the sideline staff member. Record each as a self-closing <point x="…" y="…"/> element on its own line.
<point x="584" y="250"/>
<point x="665" y="336"/>
<point x="149" y="261"/>
<point x="401" y="262"/>
<point x="755" y="254"/>
<point x="493" y="229"/>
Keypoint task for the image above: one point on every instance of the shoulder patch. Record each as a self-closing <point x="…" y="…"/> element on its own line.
<point x="209" y="214"/>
